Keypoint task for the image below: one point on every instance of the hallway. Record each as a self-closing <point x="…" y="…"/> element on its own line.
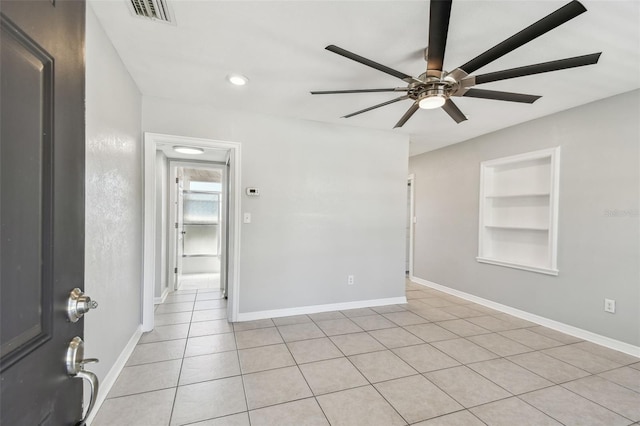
<point x="437" y="360"/>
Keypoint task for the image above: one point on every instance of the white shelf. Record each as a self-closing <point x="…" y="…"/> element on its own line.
<point x="517" y="228"/>
<point x="522" y="266"/>
<point x="539" y="194"/>
<point x="519" y="210"/>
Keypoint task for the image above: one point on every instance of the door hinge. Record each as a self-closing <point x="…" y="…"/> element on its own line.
<point x="176" y="225"/>
<point x="177" y="180"/>
<point x="175" y="270"/>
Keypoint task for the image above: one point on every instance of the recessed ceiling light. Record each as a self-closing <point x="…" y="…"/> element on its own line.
<point x="188" y="150"/>
<point x="237" y="79"/>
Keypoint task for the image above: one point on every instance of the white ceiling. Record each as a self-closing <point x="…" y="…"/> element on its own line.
<point x="279" y="46"/>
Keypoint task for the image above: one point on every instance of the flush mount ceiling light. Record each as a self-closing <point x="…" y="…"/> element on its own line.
<point x="237" y="79"/>
<point x="188" y="150"/>
<point x="432" y="98"/>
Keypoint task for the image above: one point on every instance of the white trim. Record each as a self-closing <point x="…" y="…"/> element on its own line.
<point x="172" y="190"/>
<point x="412" y="219"/>
<point x="151" y="141"/>
<point x="554" y="208"/>
<point x="314" y="309"/>
<point x="161" y="299"/>
<point x="111" y="377"/>
<point x="533" y="155"/>
<point x="549" y="323"/>
<point x="549" y="266"/>
<point x="518" y="266"/>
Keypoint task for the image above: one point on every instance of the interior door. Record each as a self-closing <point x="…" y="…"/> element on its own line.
<point x="179" y="231"/>
<point x="41" y="207"/>
<point x="226" y="190"/>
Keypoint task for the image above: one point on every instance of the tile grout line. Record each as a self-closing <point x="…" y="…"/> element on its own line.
<point x="315" y="398"/>
<point x="359" y="371"/>
<point x="184" y="351"/>
<point x="594" y="402"/>
<point x="546" y="387"/>
<point x="391" y="350"/>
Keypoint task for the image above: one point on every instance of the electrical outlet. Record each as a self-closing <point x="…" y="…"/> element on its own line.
<point x="350" y="280"/>
<point x="610" y="306"/>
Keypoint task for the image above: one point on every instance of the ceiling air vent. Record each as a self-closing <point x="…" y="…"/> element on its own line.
<point x="151" y="9"/>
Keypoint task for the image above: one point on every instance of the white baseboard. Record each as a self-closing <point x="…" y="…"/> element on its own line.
<point x="161" y="299"/>
<point x="276" y="313"/>
<point x="110" y="379"/>
<point x="549" y="323"/>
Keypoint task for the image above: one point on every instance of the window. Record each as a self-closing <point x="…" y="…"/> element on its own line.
<point x="205" y="186"/>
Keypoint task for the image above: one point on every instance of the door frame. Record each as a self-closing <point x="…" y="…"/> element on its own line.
<point x="172" y="254"/>
<point x="412" y="221"/>
<point x="151" y="142"/>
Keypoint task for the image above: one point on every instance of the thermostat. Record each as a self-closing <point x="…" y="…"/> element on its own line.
<point x="253" y="192"/>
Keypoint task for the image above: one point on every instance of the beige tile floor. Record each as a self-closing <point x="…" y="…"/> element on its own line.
<point x="437" y="360"/>
<point x="199" y="281"/>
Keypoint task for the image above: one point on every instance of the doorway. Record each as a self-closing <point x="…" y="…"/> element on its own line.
<point x="217" y="158"/>
<point x="197" y="206"/>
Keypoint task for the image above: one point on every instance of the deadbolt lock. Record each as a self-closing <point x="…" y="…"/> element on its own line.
<point x="79" y="304"/>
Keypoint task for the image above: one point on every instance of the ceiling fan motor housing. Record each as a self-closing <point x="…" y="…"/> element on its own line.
<point x="433" y="83"/>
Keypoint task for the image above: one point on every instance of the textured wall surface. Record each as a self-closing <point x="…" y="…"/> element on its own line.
<point x="113" y="246"/>
<point x="332" y="203"/>
<point x="598" y="224"/>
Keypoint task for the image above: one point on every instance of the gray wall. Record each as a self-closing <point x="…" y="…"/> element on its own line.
<point x="113" y="248"/>
<point x="332" y="203"/>
<point x="598" y="252"/>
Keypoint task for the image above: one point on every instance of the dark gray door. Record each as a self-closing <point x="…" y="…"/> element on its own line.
<point x="41" y="207"/>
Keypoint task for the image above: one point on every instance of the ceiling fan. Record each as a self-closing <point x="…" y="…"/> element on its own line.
<point x="435" y="87"/>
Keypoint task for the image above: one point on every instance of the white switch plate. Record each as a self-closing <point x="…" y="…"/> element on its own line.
<point x="350" y="280"/>
<point x="610" y="306"/>
<point x="246" y="218"/>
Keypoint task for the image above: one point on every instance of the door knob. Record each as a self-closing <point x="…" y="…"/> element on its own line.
<point x="75" y="368"/>
<point x="79" y="304"/>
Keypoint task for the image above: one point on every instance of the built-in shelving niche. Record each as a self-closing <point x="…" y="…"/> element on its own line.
<point x="519" y="211"/>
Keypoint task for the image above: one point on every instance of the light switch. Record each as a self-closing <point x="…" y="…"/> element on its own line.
<point x="247" y="218"/>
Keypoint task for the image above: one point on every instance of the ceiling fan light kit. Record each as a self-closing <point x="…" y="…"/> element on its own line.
<point x="435" y="87"/>
<point x="432" y="98"/>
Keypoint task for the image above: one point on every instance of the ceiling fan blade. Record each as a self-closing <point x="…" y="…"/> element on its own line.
<point x="561" y="64"/>
<point x="369" y="63"/>
<point x="401" y="98"/>
<point x="407" y="115"/>
<point x="544" y="25"/>
<point x="333" y="92"/>
<point x="501" y="96"/>
<point x="439" y="13"/>
<point x="454" y="112"/>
